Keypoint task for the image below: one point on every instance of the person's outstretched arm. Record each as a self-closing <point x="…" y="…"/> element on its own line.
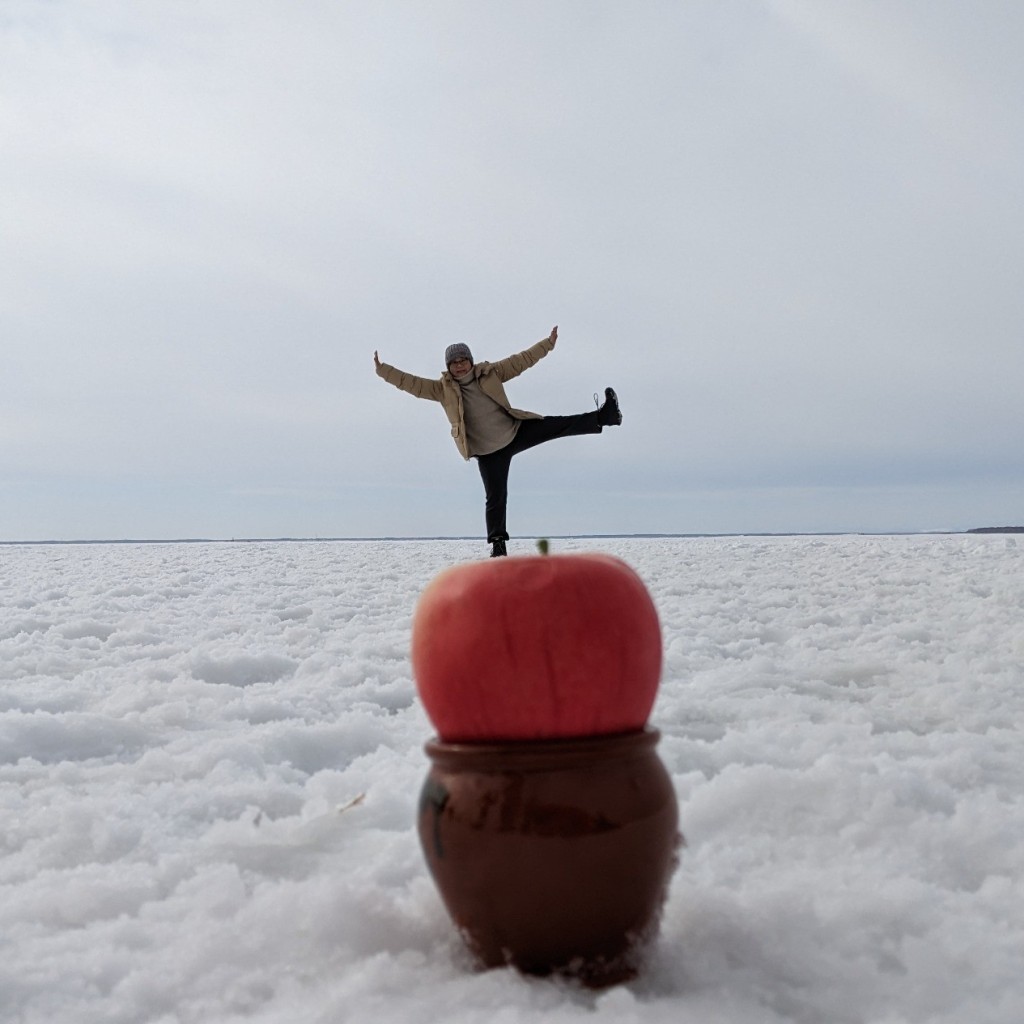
<point x="420" y="387"/>
<point x="515" y="364"/>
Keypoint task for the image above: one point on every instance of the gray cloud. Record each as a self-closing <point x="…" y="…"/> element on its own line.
<point x="789" y="234"/>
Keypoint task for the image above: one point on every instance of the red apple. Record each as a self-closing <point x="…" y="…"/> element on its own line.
<point x="536" y="648"/>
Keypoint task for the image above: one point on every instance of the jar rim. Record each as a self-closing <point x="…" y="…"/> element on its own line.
<point x="542" y="753"/>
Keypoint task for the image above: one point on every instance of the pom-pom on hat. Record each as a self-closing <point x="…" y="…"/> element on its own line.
<point x="457" y="351"/>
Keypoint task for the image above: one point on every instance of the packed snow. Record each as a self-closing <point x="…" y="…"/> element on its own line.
<point x="210" y="758"/>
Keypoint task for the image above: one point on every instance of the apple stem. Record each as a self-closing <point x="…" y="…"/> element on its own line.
<point x="543" y="545"/>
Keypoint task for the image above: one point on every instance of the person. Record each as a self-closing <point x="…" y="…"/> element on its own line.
<point x="484" y="424"/>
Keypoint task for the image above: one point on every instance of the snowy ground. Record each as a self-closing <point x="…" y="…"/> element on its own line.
<point x="210" y="757"/>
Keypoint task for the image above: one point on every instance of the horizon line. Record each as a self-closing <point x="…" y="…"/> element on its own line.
<point x="555" y="536"/>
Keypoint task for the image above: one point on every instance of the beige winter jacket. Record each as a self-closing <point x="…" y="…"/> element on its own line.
<point x="491" y="376"/>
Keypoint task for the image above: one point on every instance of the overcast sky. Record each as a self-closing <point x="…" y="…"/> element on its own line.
<point x="790" y="233"/>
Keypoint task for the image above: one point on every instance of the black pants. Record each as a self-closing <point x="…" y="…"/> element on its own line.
<point x="494" y="467"/>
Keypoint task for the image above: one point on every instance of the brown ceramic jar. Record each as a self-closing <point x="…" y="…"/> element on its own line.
<point x="553" y="855"/>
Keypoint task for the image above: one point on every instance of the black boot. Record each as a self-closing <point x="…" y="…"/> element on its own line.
<point x="610" y="415"/>
<point x="498" y="549"/>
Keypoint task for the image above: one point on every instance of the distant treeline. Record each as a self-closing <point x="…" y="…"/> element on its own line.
<point x="997" y="529"/>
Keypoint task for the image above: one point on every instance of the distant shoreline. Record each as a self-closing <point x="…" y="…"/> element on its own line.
<point x="553" y="536"/>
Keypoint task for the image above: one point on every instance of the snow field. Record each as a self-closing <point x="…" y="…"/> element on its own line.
<point x="210" y="757"/>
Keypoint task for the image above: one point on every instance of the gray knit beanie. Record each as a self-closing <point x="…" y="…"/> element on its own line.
<point x="457" y="351"/>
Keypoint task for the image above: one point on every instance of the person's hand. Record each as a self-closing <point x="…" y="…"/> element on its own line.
<point x="376" y="360"/>
<point x="553" y="336"/>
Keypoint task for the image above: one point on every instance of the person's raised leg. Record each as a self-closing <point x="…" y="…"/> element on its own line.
<point x="534" y="432"/>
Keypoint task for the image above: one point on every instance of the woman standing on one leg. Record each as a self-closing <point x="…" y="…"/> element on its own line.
<point x="484" y="424"/>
